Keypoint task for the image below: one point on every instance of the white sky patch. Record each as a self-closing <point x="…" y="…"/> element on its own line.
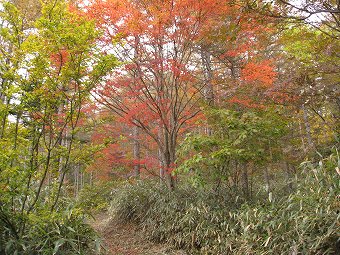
<point x="300" y="5"/>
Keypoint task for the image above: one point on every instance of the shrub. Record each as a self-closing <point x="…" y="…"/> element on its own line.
<point x="95" y="197"/>
<point x="63" y="232"/>
<point x="304" y="222"/>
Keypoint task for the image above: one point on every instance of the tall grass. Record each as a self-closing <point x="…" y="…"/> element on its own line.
<point x="64" y="232"/>
<point x="303" y="222"/>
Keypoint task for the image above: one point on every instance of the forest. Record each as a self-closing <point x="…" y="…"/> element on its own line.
<point x="169" y="127"/>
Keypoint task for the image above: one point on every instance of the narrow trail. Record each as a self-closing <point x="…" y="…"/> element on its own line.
<point x="126" y="239"/>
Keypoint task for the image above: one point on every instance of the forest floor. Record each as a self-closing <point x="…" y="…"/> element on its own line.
<point x="125" y="239"/>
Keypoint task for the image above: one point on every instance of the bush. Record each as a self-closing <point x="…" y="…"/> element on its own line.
<point x="47" y="233"/>
<point x="304" y="222"/>
<point x="95" y="197"/>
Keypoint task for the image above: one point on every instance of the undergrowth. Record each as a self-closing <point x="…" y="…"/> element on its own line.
<point x="63" y="232"/>
<point x="95" y="198"/>
<point x="197" y="220"/>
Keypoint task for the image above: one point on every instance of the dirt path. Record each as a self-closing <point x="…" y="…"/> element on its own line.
<point x="126" y="240"/>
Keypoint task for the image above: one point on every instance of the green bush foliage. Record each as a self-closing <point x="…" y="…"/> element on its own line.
<point x="303" y="222"/>
<point x="97" y="197"/>
<point x="47" y="233"/>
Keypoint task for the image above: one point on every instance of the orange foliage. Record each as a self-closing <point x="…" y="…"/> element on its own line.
<point x="60" y="58"/>
<point x="157" y="85"/>
<point x="262" y="73"/>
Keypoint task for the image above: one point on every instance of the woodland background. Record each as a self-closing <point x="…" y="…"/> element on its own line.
<point x="211" y="125"/>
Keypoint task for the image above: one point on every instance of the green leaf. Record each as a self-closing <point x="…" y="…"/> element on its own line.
<point x="57" y="245"/>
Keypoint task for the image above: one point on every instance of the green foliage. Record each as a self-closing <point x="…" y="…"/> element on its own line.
<point x="47" y="72"/>
<point x="238" y="136"/>
<point x="63" y="232"/>
<point x="198" y="220"/>
<point x="310" y="47"/>
<point x="313" y="55"/>
<point x="95" y="197"/>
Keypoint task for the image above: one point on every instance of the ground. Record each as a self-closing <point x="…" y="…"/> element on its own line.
<point x="126" y="239"/>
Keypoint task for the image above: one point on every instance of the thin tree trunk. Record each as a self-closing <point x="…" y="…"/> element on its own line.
<point x="63" y="171"/>
<point x="245" y="180"/>
<point x="267" y="180"/>
<point x="304" y="148"/>
<point x="208" y="76"/>
<point x="161" y="164"/>
<point x="16" y="136"/>
<point x="82" y="180"/>
<point x="76" y="180"/>
<point x="288" y="176"/>
<point x="37" y="194"/>
<point x="4" y="120"/>
<point x="136" y="152"/>
<point x="169" y="159"/>
<point x="268" y="169"/>
<point x="308" y="128"/>
<point x="160" y="155"/>
<point x="136" y="143"/>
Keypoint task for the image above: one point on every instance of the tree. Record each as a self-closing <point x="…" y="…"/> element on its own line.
<point x="48" y="71"/>
<point x="322" y="15"/>
<point x="161" y="87"/>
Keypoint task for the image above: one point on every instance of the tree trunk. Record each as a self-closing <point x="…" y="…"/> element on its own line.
<point x="288" y="176"/>
<point x="169" y="160"/>
<point x="245" y="181"/>
<point x="136" y="144"/>
<point x="267" y="179"/>
<point x="136" y="152"/>
<point x="4" y="119"/>
<point x="76" y="180"/>
<point x="308" y="128"/>
<point x="161" y="164"/>
<point x="208" y="76"/>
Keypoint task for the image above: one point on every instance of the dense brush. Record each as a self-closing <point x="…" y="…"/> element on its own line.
<point x="304" y="222"/>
